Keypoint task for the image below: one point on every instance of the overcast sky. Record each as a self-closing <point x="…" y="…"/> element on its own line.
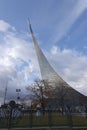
<point x="60" y="26"/>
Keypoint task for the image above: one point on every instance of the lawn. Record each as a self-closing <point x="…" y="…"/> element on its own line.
<point x="48" y="119"/>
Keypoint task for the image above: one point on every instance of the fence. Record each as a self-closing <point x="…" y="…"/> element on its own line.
<point x="17" y="118"/>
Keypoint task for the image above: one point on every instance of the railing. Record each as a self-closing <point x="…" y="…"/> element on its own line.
<point x="17" y="118"/>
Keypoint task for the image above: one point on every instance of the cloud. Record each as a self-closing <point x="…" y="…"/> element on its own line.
<point x="19" y="67"/>
<point x="4" y="26"/>
<point x="72" y="11"/>
<point x="71" y="66"/>
<point x="54" y="50"/>
<point x="18" y="61"/>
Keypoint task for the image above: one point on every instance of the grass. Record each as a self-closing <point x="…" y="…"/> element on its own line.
<point x="54" y="119"/>
<point x="79" y="121"/>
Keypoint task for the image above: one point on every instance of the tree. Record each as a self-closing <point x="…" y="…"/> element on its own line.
<point x="60" y="95"/>
<point x="40" y="92"/>
<point x="66" y="96"/>
<point x="52" y="94"/>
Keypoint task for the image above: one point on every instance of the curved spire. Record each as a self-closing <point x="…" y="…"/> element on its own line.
<point x="49" y="74"/>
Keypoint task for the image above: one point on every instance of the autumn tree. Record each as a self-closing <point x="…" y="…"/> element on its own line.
<point x="40" y="91"/>
<point x="60" y="95"/>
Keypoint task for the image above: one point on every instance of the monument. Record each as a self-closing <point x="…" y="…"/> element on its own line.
<point x="49" y="74"/>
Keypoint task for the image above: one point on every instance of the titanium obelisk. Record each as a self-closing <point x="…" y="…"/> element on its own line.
<point x="47" y="72"/>
<point x="50" y="75"/>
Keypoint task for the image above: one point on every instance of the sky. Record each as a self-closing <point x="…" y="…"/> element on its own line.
<point x="60" y="28"/>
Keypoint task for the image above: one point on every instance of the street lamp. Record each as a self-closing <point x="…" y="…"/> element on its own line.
<point x="5" y="92"/>
<point x="18" y="91"/>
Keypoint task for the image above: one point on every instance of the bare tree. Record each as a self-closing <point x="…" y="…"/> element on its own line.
<point x="40" y="91"/>
<point x="66" y="96"/>
<point x="60" y="95"/>
<point x="47" y="94"/>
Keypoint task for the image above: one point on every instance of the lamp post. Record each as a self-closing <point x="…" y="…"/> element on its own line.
<point x="18" y="91"/>
<point x="5" y="92"/>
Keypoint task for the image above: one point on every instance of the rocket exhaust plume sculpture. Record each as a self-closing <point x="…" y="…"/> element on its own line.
<point x="49" y="74"/>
